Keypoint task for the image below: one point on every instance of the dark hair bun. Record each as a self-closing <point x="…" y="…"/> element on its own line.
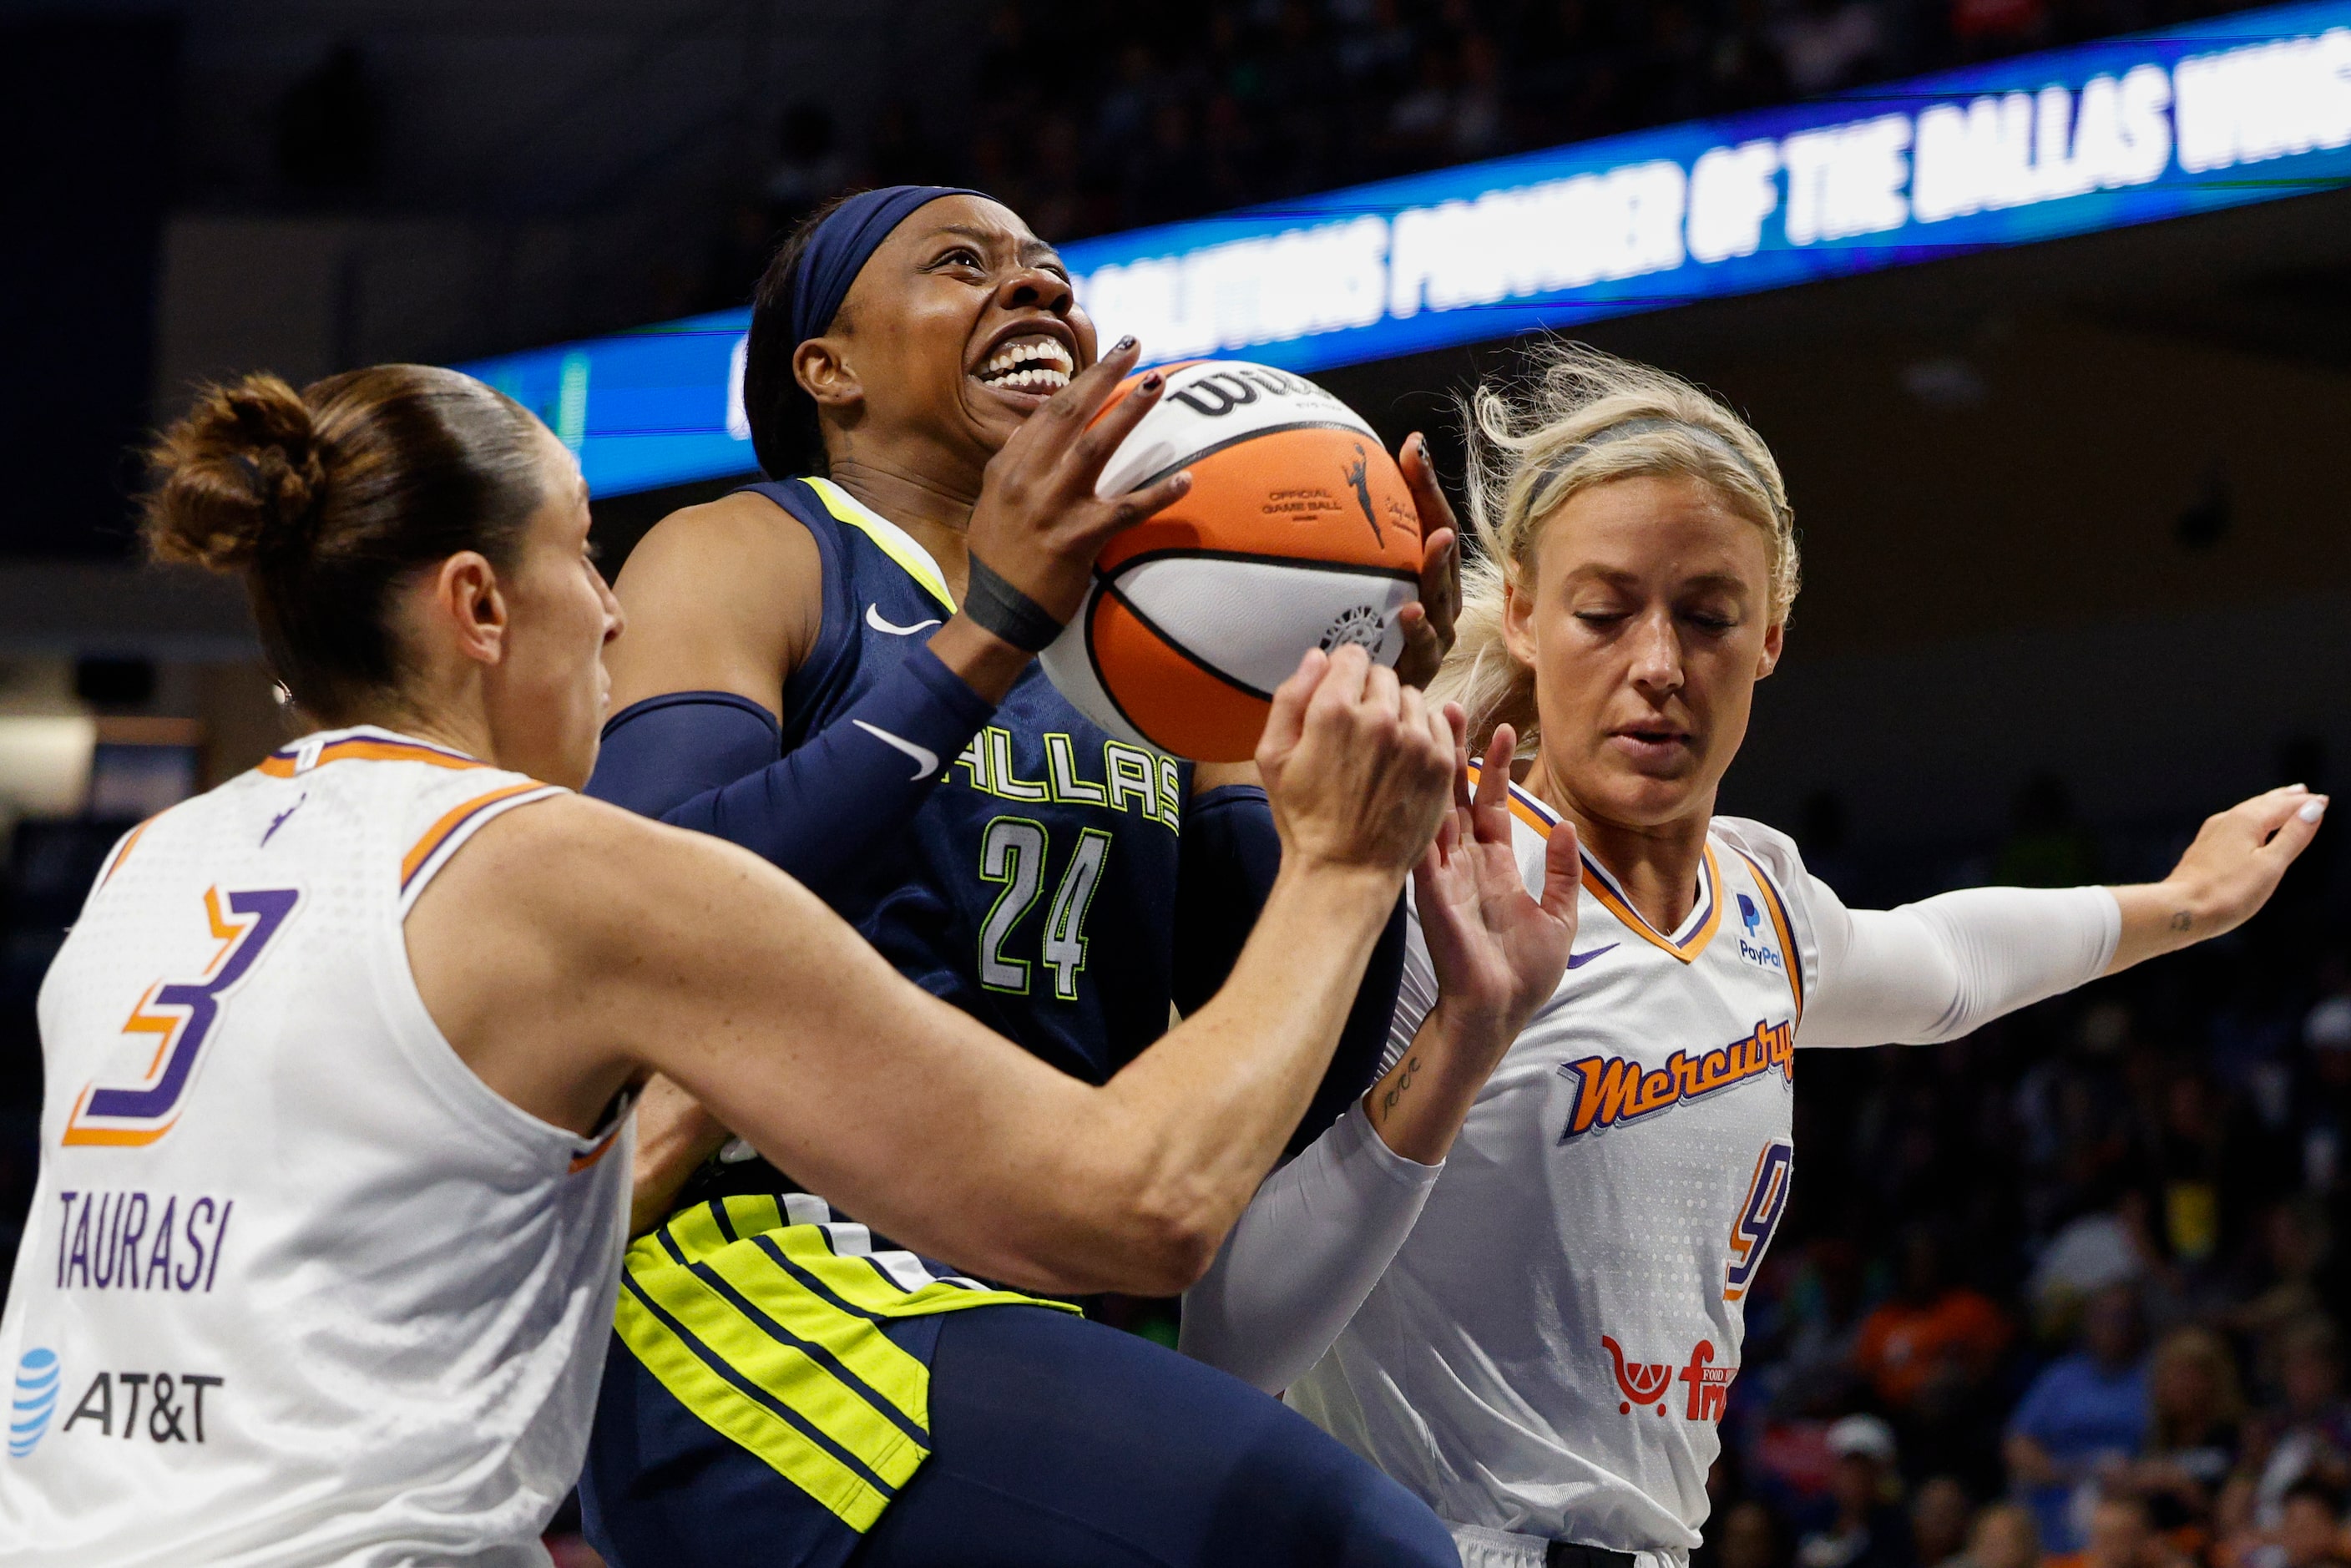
<point x="239" y="479"/>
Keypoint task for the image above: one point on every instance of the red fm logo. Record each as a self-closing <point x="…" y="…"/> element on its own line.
<point x="1645" y="1383"/>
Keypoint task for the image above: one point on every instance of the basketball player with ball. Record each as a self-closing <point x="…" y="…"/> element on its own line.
<point x="839" y="672"/>
<point x="346" y="1046"/>
<point x="1538" y="1334"/>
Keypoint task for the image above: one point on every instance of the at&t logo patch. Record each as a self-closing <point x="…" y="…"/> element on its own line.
<point x="36" y="1400"/>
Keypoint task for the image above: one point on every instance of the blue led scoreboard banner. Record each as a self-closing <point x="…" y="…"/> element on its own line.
<point x="2248" y="108"/>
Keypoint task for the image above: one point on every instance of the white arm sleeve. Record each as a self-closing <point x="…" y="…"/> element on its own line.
<point x="1939" y="969"/>
<point x="1946" y="965"/>
<point x="1317" y="1237"/>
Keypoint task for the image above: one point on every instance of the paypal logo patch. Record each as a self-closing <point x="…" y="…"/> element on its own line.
<point x="1753" y="947"/>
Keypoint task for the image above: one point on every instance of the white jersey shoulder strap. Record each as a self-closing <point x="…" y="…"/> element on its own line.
<point x="433" y="798"/>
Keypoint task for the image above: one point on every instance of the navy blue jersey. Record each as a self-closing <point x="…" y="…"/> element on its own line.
<point x="1036" y="888"/>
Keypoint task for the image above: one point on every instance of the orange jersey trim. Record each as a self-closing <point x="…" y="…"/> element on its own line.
<point x="1633" y="920"/>
<point x="142" y="1021"/>
<point x="123" y="854"/>
<point x="1777" y="908"/>
<point x="603" y="1146"/>
<point x="455" y="817"/>
<point x="1523" y="806"/>
<point x="223" y="931"/>
<point x="110" y="1137"/>
<point x="282" y="765"/>
<point x="1523" y="811"/>
<point x="1538" y="817"/>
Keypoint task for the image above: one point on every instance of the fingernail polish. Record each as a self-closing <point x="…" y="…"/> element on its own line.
<point x="1124" y="344"/>
<point x="1151" y="382"/>
<point x="2314" y="811"/>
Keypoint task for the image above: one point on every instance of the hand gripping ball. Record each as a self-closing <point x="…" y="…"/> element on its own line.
<point x="1298" y="533"/>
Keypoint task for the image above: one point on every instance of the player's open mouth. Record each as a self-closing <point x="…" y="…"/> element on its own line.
<point x="1648" y="745"/>
<point x="1034" y="363"/>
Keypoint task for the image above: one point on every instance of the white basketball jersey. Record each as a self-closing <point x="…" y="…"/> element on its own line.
<point x="1549" y="1352"/>
<point x="297" y="1286"/>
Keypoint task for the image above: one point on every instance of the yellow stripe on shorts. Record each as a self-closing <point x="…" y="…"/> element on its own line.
<point x="766" y="1333"/>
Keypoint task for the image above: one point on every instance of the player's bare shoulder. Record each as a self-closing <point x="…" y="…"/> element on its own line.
<point x="724" y="596"/>
<point x="554" y="930"/>
<point x="577" y="874"/>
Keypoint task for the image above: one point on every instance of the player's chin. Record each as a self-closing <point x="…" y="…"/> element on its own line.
<point x="1649" y="796"/>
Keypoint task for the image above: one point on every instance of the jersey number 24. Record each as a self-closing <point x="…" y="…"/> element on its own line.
<point x="1012" y="853"/>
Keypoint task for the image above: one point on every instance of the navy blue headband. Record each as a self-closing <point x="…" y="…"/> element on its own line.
<point x="844" y="242"/>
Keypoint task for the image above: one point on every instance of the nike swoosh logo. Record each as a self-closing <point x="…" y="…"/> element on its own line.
<point x="1577" y="960"/>
<point x="927" y="761"/>
<point x="873" y="619"/>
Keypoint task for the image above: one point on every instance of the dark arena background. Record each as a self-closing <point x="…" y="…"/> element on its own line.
<point x="2064" y="419"/>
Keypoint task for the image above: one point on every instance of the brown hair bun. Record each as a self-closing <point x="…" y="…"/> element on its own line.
<point x="242" y="477"/>
<point x="323" y="500"/>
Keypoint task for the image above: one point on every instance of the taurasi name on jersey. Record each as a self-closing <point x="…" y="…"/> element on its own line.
<point x="131" y="1241"/>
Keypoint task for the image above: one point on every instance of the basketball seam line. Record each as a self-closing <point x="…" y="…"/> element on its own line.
<point x="1194" y="552"/>
<point x="1102" y="677"/>
<point x="1249" y="435"/>
<point x="1160" y="633"/>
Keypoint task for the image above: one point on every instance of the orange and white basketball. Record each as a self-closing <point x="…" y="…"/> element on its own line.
<point x="1298" y="532"/>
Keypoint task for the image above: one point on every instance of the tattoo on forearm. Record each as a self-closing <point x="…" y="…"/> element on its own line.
<point x="2181" y="921"/>
<point x="1395" y="1090"/>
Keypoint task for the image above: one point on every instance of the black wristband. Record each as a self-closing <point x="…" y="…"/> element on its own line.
<point x="995" y="605"/>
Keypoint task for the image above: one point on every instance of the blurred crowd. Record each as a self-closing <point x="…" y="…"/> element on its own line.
<point x="1089" y="119"/>
<point x="2068" y="1293"/>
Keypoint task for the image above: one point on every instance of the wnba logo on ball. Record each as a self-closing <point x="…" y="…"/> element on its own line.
<point x="36" y="1401"/>
<point x="1283" y="544"/>
<point x="1362" y="625"/>
<point x="1221" y="391"/>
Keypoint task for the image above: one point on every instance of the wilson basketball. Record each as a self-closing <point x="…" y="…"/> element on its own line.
<point x="1298" y="533"/>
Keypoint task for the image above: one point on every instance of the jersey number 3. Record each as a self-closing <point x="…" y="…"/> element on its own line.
<point x="1012" y="853"/>
<point x="185" y="1015"/>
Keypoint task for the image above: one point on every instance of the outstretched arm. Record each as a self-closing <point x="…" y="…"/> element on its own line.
<point x="1230" y="855"/>
<point x="1323" y="1229"/>
<point x="568" y="949"/>
<point x="1945" y="966"/>
<point x="2227" y="873"/>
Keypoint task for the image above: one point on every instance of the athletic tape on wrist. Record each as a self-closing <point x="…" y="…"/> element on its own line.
<point x="997" y="606"/>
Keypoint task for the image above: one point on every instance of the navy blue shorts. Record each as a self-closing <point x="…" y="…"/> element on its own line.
<point x="1055" y="1442"/>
